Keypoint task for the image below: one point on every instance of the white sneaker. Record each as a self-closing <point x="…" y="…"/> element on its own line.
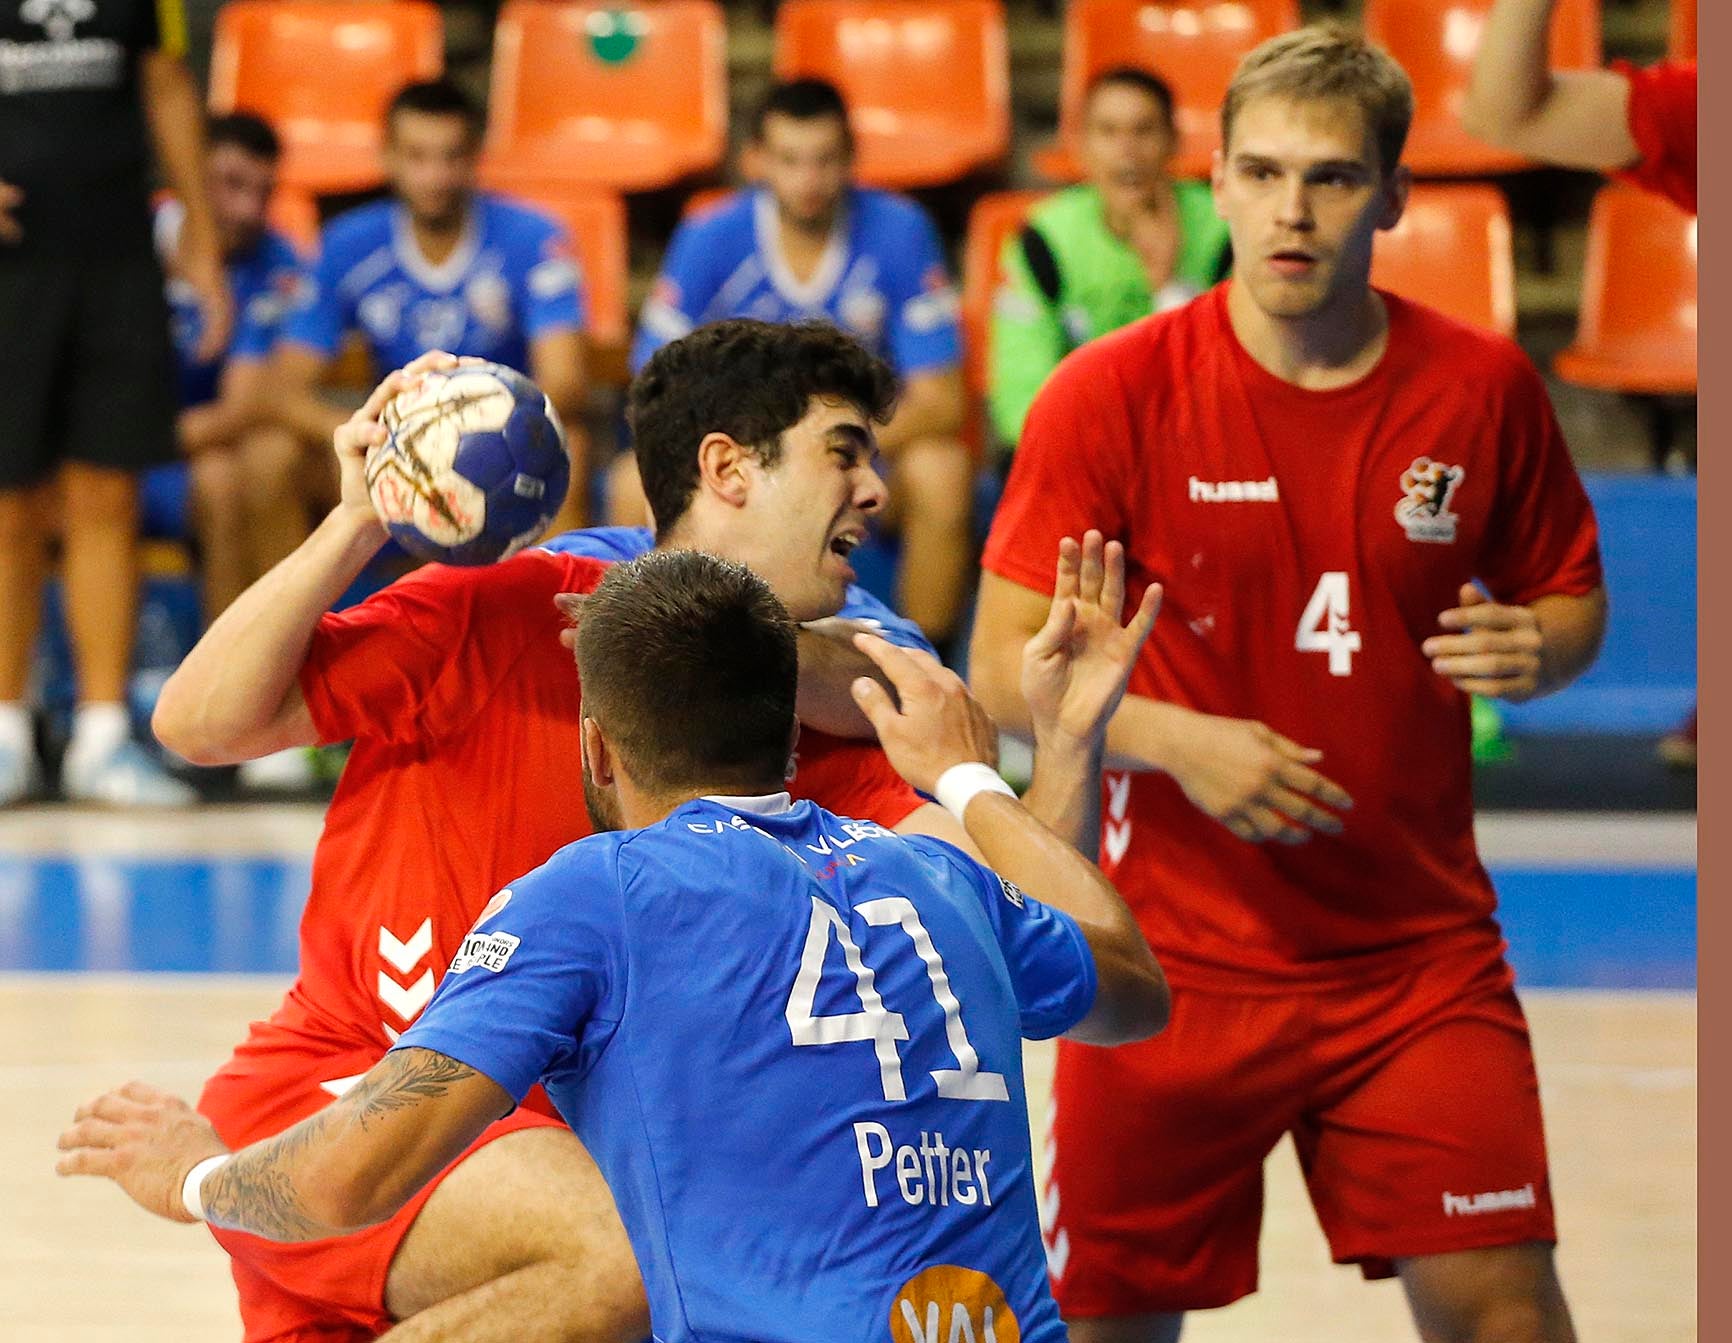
<point x="287" y="771"/>
<point x="127" y="777"/>
<point x="18" y="775"/>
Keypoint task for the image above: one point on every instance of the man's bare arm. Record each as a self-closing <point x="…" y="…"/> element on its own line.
<point x="237" y="695"/>
<point x="1573" y="118"/>
<point x="175" y="113"/>
<point x="352" y="1164"/>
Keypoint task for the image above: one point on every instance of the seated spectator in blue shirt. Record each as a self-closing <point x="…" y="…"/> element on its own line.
<point x="222" y="427"/>
<point x="440" y="265"/>
<point x="808" y="243"/>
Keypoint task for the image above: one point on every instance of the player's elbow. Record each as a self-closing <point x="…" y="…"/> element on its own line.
<point x="340" y="1197"/>
<point x="1133" y="1002"/>
<point x="177" y="724"/>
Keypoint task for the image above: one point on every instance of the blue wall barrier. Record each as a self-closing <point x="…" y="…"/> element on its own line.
<point x="1567" y="928"/>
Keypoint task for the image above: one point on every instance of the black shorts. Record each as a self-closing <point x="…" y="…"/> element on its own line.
<point x="89" y="371"/>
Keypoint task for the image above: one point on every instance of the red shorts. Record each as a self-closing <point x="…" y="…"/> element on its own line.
<point x="322" y="1291"/>
<point x="1413" y="1103"/>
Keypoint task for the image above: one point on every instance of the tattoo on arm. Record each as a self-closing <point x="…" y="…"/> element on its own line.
<point x="257" y="1190"/>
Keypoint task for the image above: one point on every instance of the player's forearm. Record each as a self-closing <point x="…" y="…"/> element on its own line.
<point x="1571" y="631"/>
<point x="829" y="666"/>
<point x="1065" y="793"/>
<point x="226" y="701"/>
<point x="176" y="116"/>
<point x="931" y="407"/>
<point x="359" y="1160"/>
<point x="1132" y="1001"/>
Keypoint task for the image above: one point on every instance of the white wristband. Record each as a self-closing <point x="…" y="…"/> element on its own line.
<point x="959" y="785"/>
<point x="189" y="1189"/>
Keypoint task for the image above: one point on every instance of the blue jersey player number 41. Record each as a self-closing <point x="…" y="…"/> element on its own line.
<point x="791" y="1041"/>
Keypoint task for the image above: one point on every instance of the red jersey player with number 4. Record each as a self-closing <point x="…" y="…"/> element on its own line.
<point x="1362" y="513"/>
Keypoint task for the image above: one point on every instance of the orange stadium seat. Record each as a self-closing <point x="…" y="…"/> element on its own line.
<point x="1682" y="45"/>
<point x="994" y="218"/>
<point x="596" y="220"/>
<point x="1453" y="251"/>
<point x="322" y="72"/>
<point x="1195" y="45"/>
<point x="631" y="97"/>
<point x="927" y="81"/>
<point x="1436" y="41"/>
<point x="1638" y="325"/>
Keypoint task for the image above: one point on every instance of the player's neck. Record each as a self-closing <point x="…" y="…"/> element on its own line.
<point x="1332" y="347"/>
<point x="640" y="809"/>
<point x="437" y="239"/>
<point x="804" y="243"/>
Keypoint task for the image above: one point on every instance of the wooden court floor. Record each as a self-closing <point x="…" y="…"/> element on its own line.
<point x="79" y="1264"/>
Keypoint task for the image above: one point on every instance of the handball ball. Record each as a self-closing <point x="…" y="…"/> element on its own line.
<point x="473" y="468"/>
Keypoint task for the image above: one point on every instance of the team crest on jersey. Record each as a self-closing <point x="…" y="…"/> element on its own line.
<point x="1012" y="892"/>
<point x="1427" y="488"/>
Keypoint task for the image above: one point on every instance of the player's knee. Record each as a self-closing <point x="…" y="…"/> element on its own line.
<point x="270" y="467"/>
<point x="99" y="498"/>
<point x="1505" y="1320"/>
<point x="219" y="487"/>
<point x="1509" y="1295"/>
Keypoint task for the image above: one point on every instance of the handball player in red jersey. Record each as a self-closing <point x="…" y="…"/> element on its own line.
<point x="1362" y="513"/>
<point x="756" y="443"/>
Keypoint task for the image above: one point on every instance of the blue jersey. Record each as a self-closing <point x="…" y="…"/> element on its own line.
<point x="882" y="279"/>
<point x="619" y="544"/>
<point x="264" y="282"/>
<point x="793" y="1044"/>
<point x="512" y="278"/>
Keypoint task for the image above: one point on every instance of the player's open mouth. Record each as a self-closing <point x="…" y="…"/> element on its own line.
<point x="844" y="544"/>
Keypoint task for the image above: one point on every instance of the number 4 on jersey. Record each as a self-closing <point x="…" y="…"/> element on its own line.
<point x="1324" y="627"/>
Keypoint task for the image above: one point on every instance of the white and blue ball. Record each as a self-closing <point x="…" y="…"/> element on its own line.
<point x="474" y="467"/>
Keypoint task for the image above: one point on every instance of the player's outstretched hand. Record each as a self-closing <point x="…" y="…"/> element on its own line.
<point x="143" y="1139"/>
<point x="1260" y="785"/>
<point x="1499" y="651"/>
<point x="936" y="723"/>
<point x="1076" y="667"/>
<point x="365" y="429"/>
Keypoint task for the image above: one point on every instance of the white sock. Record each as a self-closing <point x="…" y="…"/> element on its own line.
<point x="98" y="730"/>
<point x="15" y="726"/>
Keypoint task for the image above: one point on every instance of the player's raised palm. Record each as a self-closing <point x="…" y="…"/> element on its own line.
<point x="1076" y="668"/>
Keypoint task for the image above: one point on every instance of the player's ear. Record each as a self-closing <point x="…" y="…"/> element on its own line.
<point x="598" y="758"/>
<point x="721" y="468"/>
<point x="1395" y="191"/>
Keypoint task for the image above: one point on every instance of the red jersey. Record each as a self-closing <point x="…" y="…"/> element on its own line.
<point x="466" y="772"/>
<point x="1308" y="541"/>
<point x="1663" y="125"/>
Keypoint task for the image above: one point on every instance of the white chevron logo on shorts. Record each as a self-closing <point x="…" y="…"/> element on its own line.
<point x="405" y="955"/>
<point x="406" y="1000"/>
<point x="1116" y="830"/>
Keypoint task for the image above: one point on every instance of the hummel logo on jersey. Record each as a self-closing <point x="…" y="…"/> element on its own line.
<point x="1497" y="1200"/>
<point x="1235" y="491"/>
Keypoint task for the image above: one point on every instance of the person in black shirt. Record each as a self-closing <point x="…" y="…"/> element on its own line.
<point x="86" y="88"/>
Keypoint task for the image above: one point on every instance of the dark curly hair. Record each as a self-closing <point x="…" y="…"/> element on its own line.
<point x="750" y="380"/>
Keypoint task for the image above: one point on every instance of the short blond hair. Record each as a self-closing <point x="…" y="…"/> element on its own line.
<point x="1328" y="61"/>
